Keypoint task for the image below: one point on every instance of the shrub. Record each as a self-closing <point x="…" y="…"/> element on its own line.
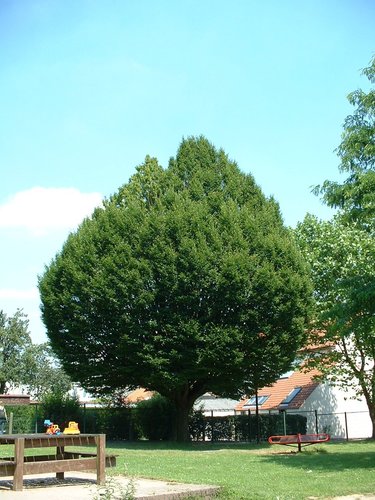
<point x="154" y="418"/>
<point x="116" y="423"/>
<point x="24" y="417"/>
<point x="60" y="409"/>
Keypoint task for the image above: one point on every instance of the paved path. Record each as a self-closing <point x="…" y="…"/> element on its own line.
<point x="82" y="486"/>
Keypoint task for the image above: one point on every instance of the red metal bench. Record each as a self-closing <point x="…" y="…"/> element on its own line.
<point x="299" y="439"/>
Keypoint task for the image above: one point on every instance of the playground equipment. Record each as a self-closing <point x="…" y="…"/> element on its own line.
<point x="72" y="428"/>
<point x="299" y="439"/>
<point x="51" y="427"/>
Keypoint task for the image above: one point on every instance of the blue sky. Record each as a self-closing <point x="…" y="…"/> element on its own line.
<point x="89" y="87"/>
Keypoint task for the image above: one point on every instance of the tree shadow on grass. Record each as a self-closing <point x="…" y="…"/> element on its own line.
<point x="335" y="460"/>
<point x="191" y="446"/>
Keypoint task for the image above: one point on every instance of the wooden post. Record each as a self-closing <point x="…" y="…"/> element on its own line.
<point x="10" y="423"/>
<point x="60" y="456"/>
<point x="19" y="448"/>
<point x="100" y="458"/>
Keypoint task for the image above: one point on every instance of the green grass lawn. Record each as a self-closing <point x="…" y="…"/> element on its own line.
<point x="256" y="472"/>
<point x="247" y="471"/>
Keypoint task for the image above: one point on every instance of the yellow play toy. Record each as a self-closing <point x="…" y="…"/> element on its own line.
<point x="72" y="428"/>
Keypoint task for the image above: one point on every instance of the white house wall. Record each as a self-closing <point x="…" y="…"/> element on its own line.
<point x="337" y="414"/>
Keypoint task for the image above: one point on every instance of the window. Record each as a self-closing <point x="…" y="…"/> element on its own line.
<point x="291" y="395"/>
<point x="252" y="401"/>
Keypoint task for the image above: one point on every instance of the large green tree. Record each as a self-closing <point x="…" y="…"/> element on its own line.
<point x="342" y="259"/>
<point x="181" y="283"/>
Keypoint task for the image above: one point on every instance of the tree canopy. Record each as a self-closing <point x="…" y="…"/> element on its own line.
<point x="24" y="364"/>
<point x="14" y="342"/>
<point x="341" y="253"/>
<point x="356" y="195"/>
<point x="185" y="281"/>
<point x="343" y="269"/>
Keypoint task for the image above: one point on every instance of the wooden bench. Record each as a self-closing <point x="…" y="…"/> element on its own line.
<point x="299" y="439"/>
<point x="60" y="462"/>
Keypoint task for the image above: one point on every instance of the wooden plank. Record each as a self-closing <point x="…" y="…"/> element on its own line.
<point x="60" y="456"/>
<point x="110" y="460"/>
<point x="100" y="458"/>
<point x="44" y="441"/>
<point x="7" y="468"/>
<point x="19" y="447"/>
<point x="60" y="466"/>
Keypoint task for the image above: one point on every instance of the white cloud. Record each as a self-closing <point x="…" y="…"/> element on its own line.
<point x="13" y="293"/>
<point x="40" y="210"/>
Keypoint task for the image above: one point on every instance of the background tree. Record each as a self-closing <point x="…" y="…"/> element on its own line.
<point x="342" y="255"/>
<point x="179" y="284"/>
<point x="343" y="268"/>
<point x="356" y="195"/>
<point x="24" y="364"/>
<point x="14" y="342"/>
<point x="42" y="374"/>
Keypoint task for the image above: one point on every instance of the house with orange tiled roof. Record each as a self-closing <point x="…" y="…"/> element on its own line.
<point x="328" y="408"/>
<point x="289" y="392"/>
<point x="137" y="395"/>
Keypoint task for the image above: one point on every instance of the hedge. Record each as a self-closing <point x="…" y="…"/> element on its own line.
<point x="244" y="427"/>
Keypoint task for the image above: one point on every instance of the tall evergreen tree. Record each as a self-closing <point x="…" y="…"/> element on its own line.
<point x="181" y="283"/>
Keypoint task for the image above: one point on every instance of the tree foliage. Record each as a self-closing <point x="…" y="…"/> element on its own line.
<point x="42" y="374"/>
<point x="342" y="261"/>
<point x="181" y="283"/>
<point x="14" y="343"/>
<point x="342" y="254"/>
<point x="356" y="195"/>
<point x="25" y="364"/>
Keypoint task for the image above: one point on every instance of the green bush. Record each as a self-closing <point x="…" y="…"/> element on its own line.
<point x="154" y="418"/>
<point x="116" y="423"/>
<point x="60" y="409"/>
<point x="23" y="418"/>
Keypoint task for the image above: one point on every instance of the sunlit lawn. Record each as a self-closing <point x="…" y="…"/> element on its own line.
<point x="247" y="471"/>
<point x="256" y="472"/>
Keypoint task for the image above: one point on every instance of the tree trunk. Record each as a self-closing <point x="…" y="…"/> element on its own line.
<point x="372" y="416"/>
<point x="184" y="400"/>
<point x="371" y="408"/>
<point x="181" y="424"/>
